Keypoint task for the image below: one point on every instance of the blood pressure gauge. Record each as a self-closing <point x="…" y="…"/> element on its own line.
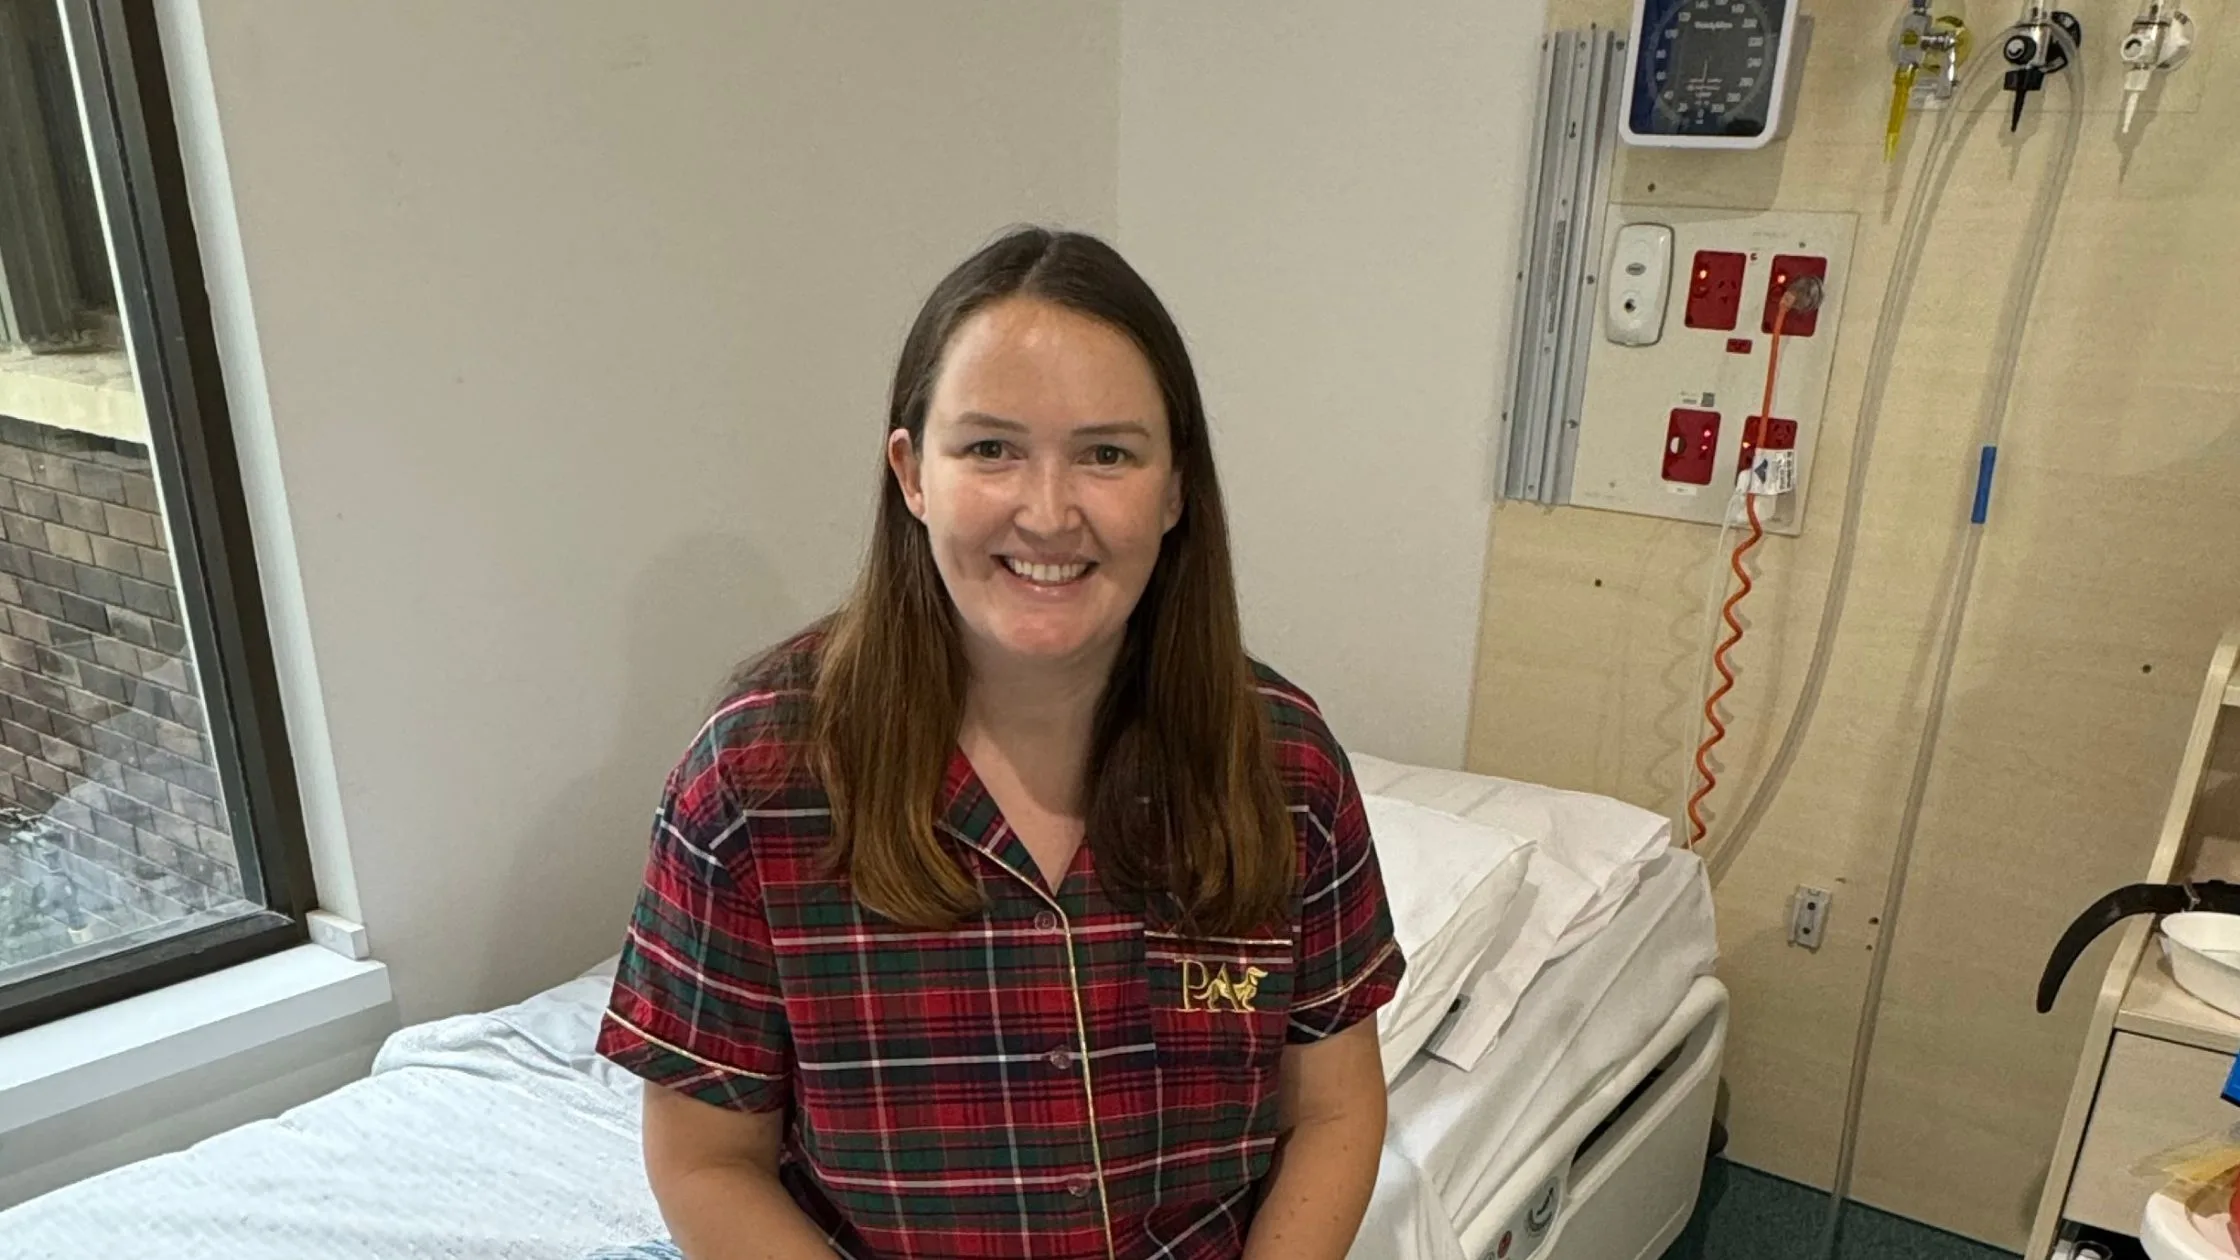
<point x="1709" y="74"/>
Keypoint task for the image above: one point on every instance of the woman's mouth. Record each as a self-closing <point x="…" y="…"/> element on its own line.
<point x="1048" y="574"/>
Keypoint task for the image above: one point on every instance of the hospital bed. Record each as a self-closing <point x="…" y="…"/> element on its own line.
<point x="1581" y="1135"/>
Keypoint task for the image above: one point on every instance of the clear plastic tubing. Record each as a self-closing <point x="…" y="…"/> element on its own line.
<point x="1988" y="428"/>
<point x="1958" y="114"/>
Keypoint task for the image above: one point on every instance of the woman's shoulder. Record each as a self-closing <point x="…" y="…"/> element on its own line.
<point x="1305" y="749"/>
<point x="780" y="680"/>
<point x="756" y="738"/>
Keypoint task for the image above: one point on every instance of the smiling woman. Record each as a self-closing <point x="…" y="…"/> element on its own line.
<point x="1045" y="526"/>
<point x="1049" y="917"/>
<point x="1045" y="413"/>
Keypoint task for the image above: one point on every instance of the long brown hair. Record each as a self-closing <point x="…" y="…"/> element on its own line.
<point x="1185" y="808"/>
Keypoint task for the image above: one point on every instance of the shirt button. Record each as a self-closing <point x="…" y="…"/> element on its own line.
<point x="1060" y="1058"/>
<point x="1046" y="922"/>
<point x="1078" y="1187"/>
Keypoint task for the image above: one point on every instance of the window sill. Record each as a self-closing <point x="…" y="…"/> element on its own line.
<point x="91" y="392"/>
<point x="59" y="1067"/>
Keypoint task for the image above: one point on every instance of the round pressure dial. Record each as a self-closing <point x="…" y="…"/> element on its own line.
<point x="1712" y="61"/>
<point x="1710" y="72"/>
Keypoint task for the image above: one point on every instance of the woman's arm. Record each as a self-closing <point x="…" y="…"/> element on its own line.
<point x="1331" y="1099"/>
<point x="714" y="1172"/>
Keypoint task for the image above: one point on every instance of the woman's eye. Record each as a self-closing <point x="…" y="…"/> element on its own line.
<point x="988" y="448"/>
<point x="1109" y="456"/>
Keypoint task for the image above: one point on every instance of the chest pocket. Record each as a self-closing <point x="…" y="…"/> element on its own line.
<point x="1219" y="1007"/>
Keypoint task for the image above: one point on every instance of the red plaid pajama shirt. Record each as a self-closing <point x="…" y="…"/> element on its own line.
<point x="1053" y="1077"/>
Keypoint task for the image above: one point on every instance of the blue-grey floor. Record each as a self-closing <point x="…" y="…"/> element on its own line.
<point x="1744" y="1214"/>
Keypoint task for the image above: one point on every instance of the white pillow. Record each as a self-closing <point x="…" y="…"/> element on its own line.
<point x="1588" y="853"/>
<point x="1450" y="883"/>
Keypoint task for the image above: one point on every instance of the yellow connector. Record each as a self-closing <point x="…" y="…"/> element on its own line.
<point x="1901" y="95"/>
<point x="1922" y="41"/>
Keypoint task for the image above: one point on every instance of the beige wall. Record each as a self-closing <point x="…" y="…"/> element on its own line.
<point x="2106" y="578"/>
<point x="575" y="319"/>
<point x="1327" y="194"/>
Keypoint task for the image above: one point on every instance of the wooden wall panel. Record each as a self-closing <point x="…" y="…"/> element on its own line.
<point x="2107" y="574"/>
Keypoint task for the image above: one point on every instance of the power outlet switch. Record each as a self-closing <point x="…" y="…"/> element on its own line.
<point x="1715" y="289"/>
<point x="1773" y="435"/>
<point x="1786" y="269"/>
<point x="1691" y="444"/>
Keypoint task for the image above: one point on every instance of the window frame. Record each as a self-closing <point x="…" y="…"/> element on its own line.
<point x="140" y="173"/>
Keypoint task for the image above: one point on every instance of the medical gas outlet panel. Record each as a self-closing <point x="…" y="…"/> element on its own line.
<point x="1678" y="347"/>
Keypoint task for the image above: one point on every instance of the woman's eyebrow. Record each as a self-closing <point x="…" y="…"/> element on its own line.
<point x="1109" y="428"/>
<point x="1115" y="428"/>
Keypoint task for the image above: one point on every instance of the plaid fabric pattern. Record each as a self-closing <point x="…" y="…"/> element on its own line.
<point x="1054" y="1077"/>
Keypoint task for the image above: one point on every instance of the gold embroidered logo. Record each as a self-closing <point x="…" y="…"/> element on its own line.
<point x="1208" y="992"/>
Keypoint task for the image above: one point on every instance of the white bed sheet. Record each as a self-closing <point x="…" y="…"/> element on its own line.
<point x="501" y="1136"/>
<point x="1582" y="1019"/>
<point x="496" y="1136"/>
<point x="1589" y="852"/>
<point x="487" y="1136"/>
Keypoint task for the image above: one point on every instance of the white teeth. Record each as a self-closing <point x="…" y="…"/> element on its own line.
<point x="1046" y="574"/>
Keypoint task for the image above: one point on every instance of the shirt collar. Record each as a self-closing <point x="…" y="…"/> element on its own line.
<point x="969" y="812"/>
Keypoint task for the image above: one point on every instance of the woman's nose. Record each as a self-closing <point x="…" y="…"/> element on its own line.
<point x="1047" y="506"/>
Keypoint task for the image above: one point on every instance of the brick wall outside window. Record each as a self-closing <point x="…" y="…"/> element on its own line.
<point x="110" y="809"/>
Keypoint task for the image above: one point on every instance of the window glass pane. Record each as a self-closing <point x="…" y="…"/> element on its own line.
<point x="114" y="828"/>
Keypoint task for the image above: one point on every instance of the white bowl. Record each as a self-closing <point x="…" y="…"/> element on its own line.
<point x="2180" y="1226"/>
<point x="2204" y="953"/>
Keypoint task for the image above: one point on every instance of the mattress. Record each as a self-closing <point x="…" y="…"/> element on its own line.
<point x="489" y="1136"/>
<point x="496" y="1136"/>
<point x="501" y="1136"/>
<point x="1582" y="1019"/>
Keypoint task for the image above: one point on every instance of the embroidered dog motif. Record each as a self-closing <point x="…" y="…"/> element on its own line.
<point x="1202" y="991"/>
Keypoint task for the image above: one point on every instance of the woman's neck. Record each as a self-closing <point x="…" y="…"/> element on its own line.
<point x="1037" y="721"/>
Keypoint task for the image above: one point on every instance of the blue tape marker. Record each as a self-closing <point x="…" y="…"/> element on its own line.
<point x="2231" y="1092"/>
<point x="1984" y="467"/>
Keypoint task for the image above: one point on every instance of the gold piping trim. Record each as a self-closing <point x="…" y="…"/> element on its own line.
<point x="1088" y="1080"/>
<point x="681" y="1052"/>
<point x="1080" y="1030"/>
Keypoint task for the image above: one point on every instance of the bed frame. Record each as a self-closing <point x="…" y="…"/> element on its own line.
<point x="1618" y="1179"/>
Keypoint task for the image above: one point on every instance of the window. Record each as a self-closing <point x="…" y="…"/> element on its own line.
<point x="149" y="828"/>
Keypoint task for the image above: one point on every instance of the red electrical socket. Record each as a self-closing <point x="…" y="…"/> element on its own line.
<point x="1715" y="289"/>
<point x="1774" y="435"/>
<point x="1691" y="442"/>
<point x="1788" y="267"/>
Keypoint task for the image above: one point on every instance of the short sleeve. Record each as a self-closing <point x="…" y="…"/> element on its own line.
<point x="696" y="1005"/>
<point x="1348" y="962"/>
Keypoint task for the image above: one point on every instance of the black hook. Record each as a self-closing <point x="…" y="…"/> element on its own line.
<point x="2215" y="896"/>
<point x="2035" y="53"/>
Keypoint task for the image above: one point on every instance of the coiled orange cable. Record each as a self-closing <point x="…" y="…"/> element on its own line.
<point x="1751" y="436"/>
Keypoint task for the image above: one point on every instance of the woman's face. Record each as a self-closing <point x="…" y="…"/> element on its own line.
<point x="1046" y="480"/>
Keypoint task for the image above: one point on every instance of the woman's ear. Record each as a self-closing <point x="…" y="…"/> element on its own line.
<point x="909" y="470"/>
<point x="1174" y="501"/>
